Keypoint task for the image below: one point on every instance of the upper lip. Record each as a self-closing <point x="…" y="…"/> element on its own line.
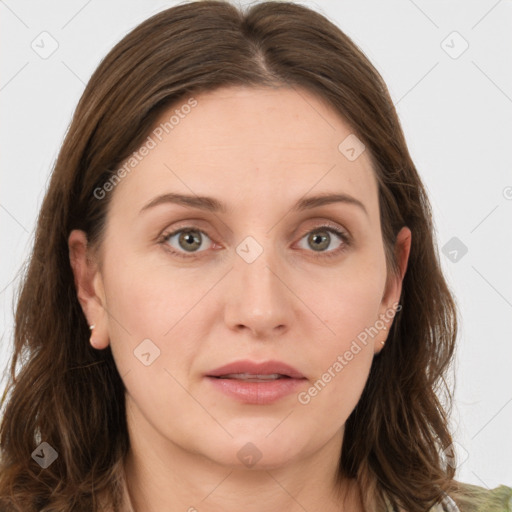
<point x="254" y="368"/>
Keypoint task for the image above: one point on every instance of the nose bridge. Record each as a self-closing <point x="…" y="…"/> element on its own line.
<point x="253" y="265"/>
<point x="260" y="300"/>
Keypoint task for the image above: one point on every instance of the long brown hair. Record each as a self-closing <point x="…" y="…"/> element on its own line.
<point x="71" y="396"/>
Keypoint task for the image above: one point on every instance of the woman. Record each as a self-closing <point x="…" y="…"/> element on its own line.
<point x="234" y="298"/>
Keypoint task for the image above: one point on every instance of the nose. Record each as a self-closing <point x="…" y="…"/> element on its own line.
<point x="258" y="298"/>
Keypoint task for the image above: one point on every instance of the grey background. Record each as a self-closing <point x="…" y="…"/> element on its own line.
<point x="456" y="112"/>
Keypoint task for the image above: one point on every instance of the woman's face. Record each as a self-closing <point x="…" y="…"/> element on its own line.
<point x="185" y="288"/>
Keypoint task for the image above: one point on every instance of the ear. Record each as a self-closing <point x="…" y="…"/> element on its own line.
<point x="89" y="287"/>
<point x="393" y="288"/>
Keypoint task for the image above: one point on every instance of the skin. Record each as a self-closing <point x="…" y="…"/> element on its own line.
<point x="258" y="151"/>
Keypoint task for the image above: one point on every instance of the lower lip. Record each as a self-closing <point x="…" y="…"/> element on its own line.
<point x="260" y="393"/>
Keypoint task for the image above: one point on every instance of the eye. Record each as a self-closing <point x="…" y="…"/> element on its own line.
<point x="320" y="239"/>
<point x="187" y="239"/>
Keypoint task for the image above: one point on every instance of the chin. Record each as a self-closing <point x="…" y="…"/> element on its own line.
<point x="256" y="452"/>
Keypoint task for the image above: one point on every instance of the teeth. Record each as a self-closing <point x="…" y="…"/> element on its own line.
<point x="252" y="377"/>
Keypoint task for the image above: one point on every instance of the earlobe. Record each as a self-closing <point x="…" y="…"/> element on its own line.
<point x="95" y="340"/>
<point x="89" y="292"/>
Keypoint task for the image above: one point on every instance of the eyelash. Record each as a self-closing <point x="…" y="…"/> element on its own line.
<point x="326" y="227"/>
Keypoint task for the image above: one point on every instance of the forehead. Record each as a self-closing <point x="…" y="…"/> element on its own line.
<point x="281" y="117"/>
<point x="270" y="143"/>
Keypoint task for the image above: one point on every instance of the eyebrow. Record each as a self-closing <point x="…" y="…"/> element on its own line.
<point x="211" y="204"/>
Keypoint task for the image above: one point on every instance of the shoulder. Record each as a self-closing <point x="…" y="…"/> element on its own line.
<point x="472" y="498"/>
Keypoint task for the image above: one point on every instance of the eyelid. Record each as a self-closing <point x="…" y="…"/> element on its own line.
<point x="324" y="223"/>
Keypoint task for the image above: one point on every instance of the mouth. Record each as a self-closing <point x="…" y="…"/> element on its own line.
<point x="249" y="377"/>
<point x="267" y="370"/>
<point x="256" y="383"/>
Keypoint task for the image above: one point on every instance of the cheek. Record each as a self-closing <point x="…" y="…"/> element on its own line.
<point x="343" y="355"/>
<point x="348" y="301"/>
<point x="148" y="294"/>
<point x="142" y="305"/>
<point x="348" y="307"/>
